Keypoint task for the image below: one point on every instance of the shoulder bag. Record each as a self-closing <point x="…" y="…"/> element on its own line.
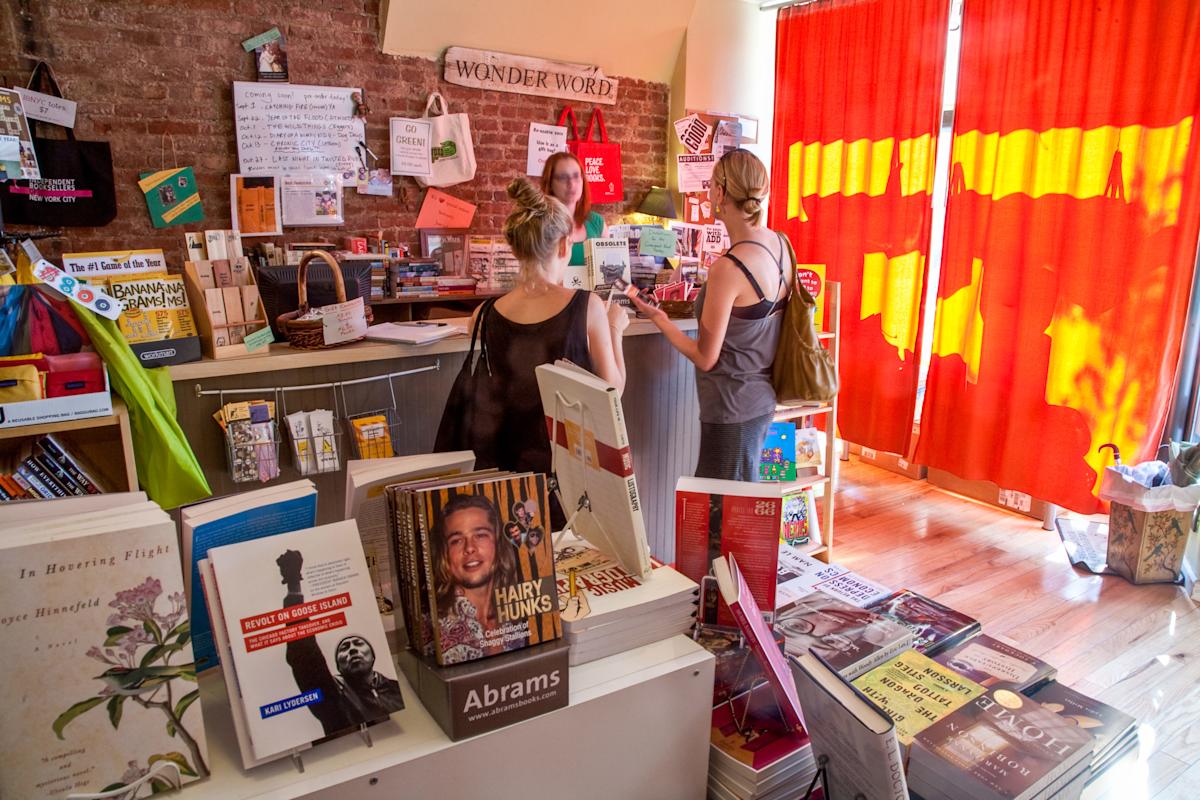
<point x="474" y="409"/>
<point x="76" y="188"/>
<point x="803" y="370"/>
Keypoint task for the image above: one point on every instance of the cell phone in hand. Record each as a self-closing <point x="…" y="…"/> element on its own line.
<point x="622" y="286"/>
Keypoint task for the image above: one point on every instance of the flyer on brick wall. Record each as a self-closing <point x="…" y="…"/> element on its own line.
<point x="544" y="141"/>
<point x="410" y="143"/>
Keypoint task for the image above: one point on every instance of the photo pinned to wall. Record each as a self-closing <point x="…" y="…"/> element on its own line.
<point x="17" y="157"/>
<point x="371" y="178"/>
<point x="448" y="246"/>
<point x="254" y="205"/>
<point x="313" y="199"/>
<point x="690" y="238"/>
<point x="270" y="55"/>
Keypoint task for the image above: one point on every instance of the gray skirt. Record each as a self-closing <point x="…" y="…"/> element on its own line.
<point x="731" y="451"/>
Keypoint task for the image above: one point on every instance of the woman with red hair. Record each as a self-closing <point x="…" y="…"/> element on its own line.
<point x="562" y="179"/>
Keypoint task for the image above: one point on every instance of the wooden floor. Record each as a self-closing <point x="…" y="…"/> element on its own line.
<point x="1134" y="647"/>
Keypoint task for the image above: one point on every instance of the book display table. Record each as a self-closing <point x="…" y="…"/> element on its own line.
<point x="637" y="726"/>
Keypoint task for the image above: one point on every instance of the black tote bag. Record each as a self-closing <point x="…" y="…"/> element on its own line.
<point x="76" y="188"/>
<point x="475" y="408"/>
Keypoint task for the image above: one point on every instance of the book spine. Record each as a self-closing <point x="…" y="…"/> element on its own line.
<point x="23" y="483"/>
<point x="60" y="454"/>
<point x="33" y="484"/>
<point x="4" y="494"/>
<point x="425" y="551"/>
<point x="400" y="573"/>
<point x="59" y="473"/>
<point x="48" y="480"/>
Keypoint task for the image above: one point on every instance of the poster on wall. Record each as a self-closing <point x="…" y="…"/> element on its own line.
<point x="312" y="199"/>
<point x="411" y="152"/>
<point x="694" y="171"/>
<point x="254" y="205"/>
<point x="17" y="157"/>
<point x="544" y="141"/>
<point x="172" y="196"/>
<point x="286" y="128"/>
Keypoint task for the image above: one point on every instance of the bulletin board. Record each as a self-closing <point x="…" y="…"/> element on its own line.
<point x="695" y="208"/>
<point x="287" y="128"/>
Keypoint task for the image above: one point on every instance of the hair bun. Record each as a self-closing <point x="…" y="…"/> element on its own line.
<point x="751" y="205"/>
<point x="528" y="197"/>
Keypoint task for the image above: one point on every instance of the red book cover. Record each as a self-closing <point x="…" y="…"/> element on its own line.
<point x="722" y="518"/>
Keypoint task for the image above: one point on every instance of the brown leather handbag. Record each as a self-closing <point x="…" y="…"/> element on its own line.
<point x="803" y="370"/>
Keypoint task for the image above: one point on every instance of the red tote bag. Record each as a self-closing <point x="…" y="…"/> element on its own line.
<point x="601" y="160"/>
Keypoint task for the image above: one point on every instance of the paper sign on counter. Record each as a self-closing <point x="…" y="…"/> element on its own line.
<point x="657" y="241"/>
<point x="259" y="339"/>
<point x="343" y="322"/>
<point x="441" y="210"/>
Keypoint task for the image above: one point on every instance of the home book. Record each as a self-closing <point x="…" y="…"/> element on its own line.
<point x="759" y="638"/>
<point x="916" y="692"/>
<point x="591" y="458"/>
<point x="367" y="505"/>
<point x="488" y="572"/>
<point x="989" y="661"/>
<point x="850" y="639"/>
<point x="857" y="738"/>
<point x="1114" y="730"/>
<point x="102" y="693"/>
<point x="935" y="626"/>
<point x="799" y="574"/>
<point x="236" y="518"/>
<point x="309" y="649"/>
<point x="1000" y="746"/>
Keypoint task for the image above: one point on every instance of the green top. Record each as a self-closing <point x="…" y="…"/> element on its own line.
<point x="593" y="226"/>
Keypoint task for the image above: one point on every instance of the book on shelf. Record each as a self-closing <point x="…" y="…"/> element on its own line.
<point x="103" y="691"/>
<point x="606" y="610"/>
<point x="753" y="750"/>
<point x="367" y="505"/>
<point x="1114" y="731"/>
<point x="758" y="635"/>
<point x="591" y="457"/>
<point x="715" y="518"/>
<point x="850" y="639"/>
<point x="779" y="453"/>
<point x="480" y="554"/>
<point x="856" y="737"/>
<point x="915" y="691"/>
<point x="310" y="657"/>
<point x="799" y="574"/>
<point x="1000" y="746"/>
<point x="45" y="469"/>
<point x="936" y="627"/>
<point x="228" y="520"/>
<point x="989" y="661"/>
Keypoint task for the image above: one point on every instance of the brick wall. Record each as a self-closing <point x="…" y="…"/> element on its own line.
<point x="139" y="70"/>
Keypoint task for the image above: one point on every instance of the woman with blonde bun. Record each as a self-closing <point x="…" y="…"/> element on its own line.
<point x="539" y="322"/>
<point x="740" y="310"/>
<point x="562" y="179"/>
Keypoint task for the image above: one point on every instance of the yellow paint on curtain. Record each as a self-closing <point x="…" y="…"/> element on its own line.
<point x="1125" y="163"/>
<point x="958" y="329"/>
<point x="891" y="288"/>
<point x="859" y="167"/>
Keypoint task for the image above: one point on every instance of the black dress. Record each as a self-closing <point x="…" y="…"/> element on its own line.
<point x="515" y="349"/>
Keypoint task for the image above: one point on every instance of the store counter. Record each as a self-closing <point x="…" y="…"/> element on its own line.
<point x="659" y="403"/>
<point x="637" y="725"/>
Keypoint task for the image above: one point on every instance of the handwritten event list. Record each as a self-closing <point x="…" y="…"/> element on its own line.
<point x="295" y="128"/>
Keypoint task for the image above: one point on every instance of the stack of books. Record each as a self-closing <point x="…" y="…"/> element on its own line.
<point x="1001" y="746"/>
<point x="799" y="574"/>
<point x="47" y="470"/>
<point x="454" y="285"/>
<point x="852" y="640"/>
<point x="408" y="277"/>
<point x="102" y="688"/>
<point x="935" y="627"/>
<point x="1115" y="732"/>
<point x="605" y="610"/>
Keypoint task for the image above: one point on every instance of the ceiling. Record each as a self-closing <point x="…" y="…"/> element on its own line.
<point x="626" y="38"/>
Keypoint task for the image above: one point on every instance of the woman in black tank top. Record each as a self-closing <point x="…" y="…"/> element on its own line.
<point x="738" y="335"/>
<point x="539" y="322"/>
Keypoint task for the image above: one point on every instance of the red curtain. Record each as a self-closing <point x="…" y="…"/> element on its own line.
<point x="857" y="101"/>
<point x="1070" y="243"/>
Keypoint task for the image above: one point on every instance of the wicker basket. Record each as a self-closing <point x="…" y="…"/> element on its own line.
<point x="679" y="309"/>
<point x="309" y="334"/>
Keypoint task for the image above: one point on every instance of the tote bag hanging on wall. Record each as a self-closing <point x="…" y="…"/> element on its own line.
<point x="76" y="188"/>
<point x="453" y="150"/>
<point x="601" y="160"/>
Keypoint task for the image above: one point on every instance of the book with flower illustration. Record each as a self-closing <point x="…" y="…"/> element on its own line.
<point x="102" y="687"/>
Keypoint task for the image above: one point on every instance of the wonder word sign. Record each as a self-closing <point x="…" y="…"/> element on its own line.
<point x="502" y="72"/>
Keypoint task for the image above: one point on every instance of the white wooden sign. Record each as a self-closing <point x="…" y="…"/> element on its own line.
<point x="504" y="72"/>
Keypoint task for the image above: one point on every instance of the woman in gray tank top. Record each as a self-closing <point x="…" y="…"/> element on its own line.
<point x="740" y="310"/>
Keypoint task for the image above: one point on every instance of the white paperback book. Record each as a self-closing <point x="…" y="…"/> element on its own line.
<point x="307" y="642"/>
<point x="800" y="574"/>
<point x="590" y="457"/>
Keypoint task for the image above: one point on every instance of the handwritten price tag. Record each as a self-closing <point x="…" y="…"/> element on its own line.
<point x="91" y="297"/>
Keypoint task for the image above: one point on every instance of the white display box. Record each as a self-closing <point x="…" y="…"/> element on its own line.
<point x="57" y="409"/>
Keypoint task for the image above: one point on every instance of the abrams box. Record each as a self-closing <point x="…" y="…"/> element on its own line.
<point x="481" y="696"/>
